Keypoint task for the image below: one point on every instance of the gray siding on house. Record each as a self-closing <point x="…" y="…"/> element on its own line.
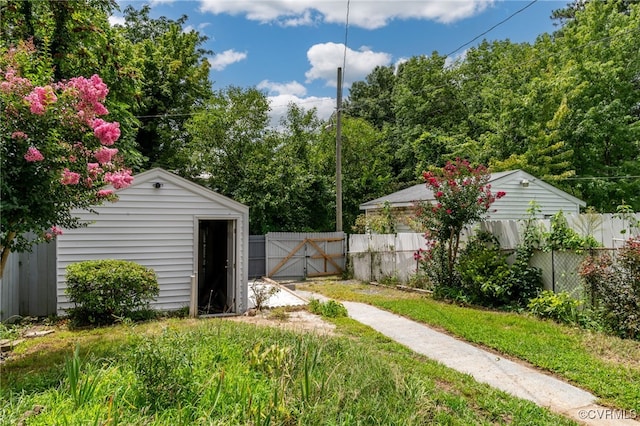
<point x="157" y="228"/>
<point x="515" y="204"/>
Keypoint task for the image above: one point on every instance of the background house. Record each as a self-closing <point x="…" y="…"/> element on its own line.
<point x="521" y="188"/>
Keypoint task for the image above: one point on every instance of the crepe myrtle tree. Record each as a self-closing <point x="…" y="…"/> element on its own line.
<point x="462" y="196"/>
<point x="56" y="154"/>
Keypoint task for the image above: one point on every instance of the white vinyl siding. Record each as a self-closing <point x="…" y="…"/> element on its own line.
<point x="155" y="227"/>
<point x="516" y="202"/>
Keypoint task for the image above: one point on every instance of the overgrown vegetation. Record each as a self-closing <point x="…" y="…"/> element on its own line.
<point x="488" y="279"/>
<point x="328" y="309"/>
<point x="217" y="372"/>
<point x="560" y="307"/>
<point x="106" y="291"/>
<point x="613" y="288"/>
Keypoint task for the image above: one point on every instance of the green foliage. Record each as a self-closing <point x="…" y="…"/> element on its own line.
<point x="420" y="280"/>
<point x="104" y="291"/>
<point x="329" y="309"/>
<point x="163" y="369"/>
<point x="81" y="388"/>
<point x="488" y="279"/>
<point x="383" y="222"/>
<point x="631" y="225"/>
<point x="614" y="289"/>
<point x="390" y="280"/>
<point x="174" y="74"/>
<point x="562" y="237"/>
<point x="605" y="365"/>
<point x="560" y="307"/>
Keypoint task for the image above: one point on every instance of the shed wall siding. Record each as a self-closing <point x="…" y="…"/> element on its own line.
<point x="155" y="228"/>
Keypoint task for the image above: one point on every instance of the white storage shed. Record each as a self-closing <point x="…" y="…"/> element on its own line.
<point x="195" y="240"/>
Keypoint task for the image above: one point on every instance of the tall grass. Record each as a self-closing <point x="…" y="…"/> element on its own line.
<point x="217" y="372"/>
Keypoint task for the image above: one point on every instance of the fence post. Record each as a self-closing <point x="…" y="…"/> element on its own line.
<point x="553" y="272"/>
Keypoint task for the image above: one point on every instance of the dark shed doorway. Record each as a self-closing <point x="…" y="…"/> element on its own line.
<point x="216" y="267"/>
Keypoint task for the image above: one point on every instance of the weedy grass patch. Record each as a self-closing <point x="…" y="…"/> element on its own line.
<point x="218" y="372"/>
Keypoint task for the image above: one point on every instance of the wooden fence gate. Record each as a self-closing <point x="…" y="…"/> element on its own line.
<point x="293" y="255"/>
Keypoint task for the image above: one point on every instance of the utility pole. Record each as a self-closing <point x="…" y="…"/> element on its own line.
<point x="339" y="154"/>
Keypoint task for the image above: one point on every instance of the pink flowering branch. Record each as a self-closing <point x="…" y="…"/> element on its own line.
<point x="60" y="156"/>
<point x="462" y="196"/>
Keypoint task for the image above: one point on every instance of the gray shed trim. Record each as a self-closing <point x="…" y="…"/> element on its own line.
<point x="155" y="223"/>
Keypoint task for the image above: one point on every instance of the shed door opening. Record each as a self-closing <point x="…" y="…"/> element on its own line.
<point x="216" y="267"/>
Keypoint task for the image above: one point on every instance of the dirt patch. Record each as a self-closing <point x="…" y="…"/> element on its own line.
<point x="299" y="320"/>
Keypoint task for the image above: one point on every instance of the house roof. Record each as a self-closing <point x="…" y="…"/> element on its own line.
<point x="408" y="196"/>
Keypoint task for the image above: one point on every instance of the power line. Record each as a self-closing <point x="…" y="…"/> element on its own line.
<point x="599" y="177"/>
<point x="492" y="28"/>
<point x="346" y="37"/>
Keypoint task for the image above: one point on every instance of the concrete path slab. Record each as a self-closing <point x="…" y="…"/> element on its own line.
<point x="514" y="378"/>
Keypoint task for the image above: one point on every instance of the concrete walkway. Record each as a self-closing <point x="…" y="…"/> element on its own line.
<point x="514" y="378"/>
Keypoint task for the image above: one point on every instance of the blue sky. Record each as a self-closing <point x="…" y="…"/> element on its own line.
<point x="291" y="49"/>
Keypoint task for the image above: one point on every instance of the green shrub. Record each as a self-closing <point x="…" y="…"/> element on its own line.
<point x="559" y="307"/>
<point x="105" y="291"/>
<point x="486" y="278"/>
<point x="329" y="309"/>
<point x="614" y="289"/>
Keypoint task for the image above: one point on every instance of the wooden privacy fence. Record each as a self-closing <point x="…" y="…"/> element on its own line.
<point x="295" y="255"/>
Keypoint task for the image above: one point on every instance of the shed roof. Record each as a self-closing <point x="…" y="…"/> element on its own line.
<point x="408" y="196"/>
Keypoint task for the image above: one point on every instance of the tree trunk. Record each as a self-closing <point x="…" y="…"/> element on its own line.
<point x="5" y="251"/>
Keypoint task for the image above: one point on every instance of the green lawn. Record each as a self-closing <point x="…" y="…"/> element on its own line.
<point x="607" y="366"/>
<point x="219" y="372"/>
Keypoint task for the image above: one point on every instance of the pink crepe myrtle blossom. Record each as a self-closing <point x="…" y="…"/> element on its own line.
<point x="33" y="155"/>
<point x="94" y="169"/>
<point x="92" y="92"/>
<point x="104" y="155"/>
<point x="39" y="98"/>
<point x="107" y="133"/>
<point x="104" y="193"/>
<point x="19" y="135"/>
<point x="69" y="177"/>
<point x="120" y="179"/>
<point x="13" y="83"/>
<point x="52" y="233"/>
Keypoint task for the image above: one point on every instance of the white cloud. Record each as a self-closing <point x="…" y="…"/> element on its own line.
<point x="368" y="14"/>
<point x="292" y="88"/>
<point x="325" y="59"/>
<point x="450" y="61"/>
<point x="116" y="20"/>
<point x="221" y="60"/>
<point x="280" y="103"/>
